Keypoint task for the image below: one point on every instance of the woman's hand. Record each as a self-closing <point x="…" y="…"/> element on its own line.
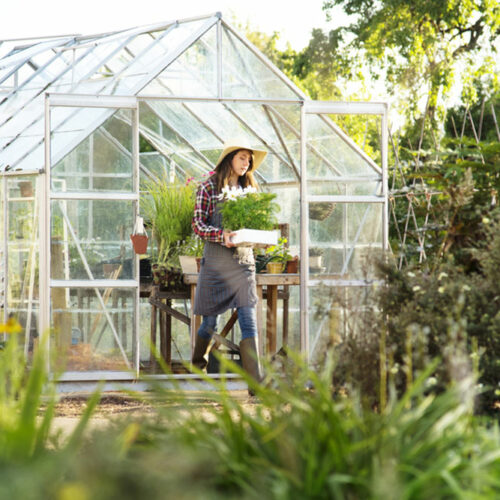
<point x="227" y="239"/>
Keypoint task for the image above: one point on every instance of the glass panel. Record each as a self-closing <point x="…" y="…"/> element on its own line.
<point x="194" y="73"/>
<point x="245" y="75"/>
<point x="102" y="229"/>
<point x="2" y="249"/>
<point x="328" y="155"/>
<point x="99" y="162"/>
<point x="84" y="337"/>
<point x="345" y="239"/>
<point x="334" y="316"/>
<point x="156" y="164"/>
<point x="22" y="249"/>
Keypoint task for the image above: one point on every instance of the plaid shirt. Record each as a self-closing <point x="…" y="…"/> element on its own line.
<point x="206" y="200"/>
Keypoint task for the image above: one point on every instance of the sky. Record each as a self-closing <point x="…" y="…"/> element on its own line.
<point x="34" y="18"/>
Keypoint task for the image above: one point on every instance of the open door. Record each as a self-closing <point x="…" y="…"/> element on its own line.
<point x="89" y="278"/>
<point x="344" y="219"/>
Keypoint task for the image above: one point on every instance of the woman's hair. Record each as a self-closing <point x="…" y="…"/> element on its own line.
<point x="223" y="172"/>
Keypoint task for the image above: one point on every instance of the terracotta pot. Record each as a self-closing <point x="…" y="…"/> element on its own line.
<point x="274" y="267"/>
<point x="292" y="266"/>
<point x="140" y="243"/>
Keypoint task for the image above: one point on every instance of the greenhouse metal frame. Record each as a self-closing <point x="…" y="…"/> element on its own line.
<point x="73" y="113"/>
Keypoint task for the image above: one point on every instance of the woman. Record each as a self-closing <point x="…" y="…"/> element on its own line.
<point x="227" y="275"/>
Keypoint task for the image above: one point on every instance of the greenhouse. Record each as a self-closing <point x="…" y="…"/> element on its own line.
<point x="87" y="122"/>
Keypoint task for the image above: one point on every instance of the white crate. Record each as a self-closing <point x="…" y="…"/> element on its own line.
<point x="254" y="238"/>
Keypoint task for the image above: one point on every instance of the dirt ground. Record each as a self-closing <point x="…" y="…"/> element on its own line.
<point x="116" y="405"/>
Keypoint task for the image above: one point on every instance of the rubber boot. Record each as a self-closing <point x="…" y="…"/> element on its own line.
<point x="200" y="350"/>
<point x="250" y="359"/>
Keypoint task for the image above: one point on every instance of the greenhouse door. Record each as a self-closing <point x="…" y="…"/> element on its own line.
<point x="344" y="221"/>
<point x="89" y="277"/>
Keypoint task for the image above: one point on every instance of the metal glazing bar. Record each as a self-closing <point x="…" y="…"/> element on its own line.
<point x="219" y="59"/>
<point x="346" y="283"/>
<point x="136" y="181"/>
<point x="347" y="198"/>
<point x="385" y="180"/>
<point x="103" y="283"/>
<point x="304" y="240"/>
<point x="5" y="235"/>
<point x="44" y="232"/>
<point x="94" y="195"/>
<point x="92" y="101"/>
<point x="156" y="97"/>
<point x="345" y="108"/>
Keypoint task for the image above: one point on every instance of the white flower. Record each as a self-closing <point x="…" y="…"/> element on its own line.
<point x="466" y="288"/>
<point x="486" y="220"/>
<point x="411" y="275"/>
<point x="441" y="289"/>
<point x="442" y="275"/>
<point x="416" y="288"/>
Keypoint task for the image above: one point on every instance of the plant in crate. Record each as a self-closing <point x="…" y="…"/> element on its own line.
<point x="246" y="209"/>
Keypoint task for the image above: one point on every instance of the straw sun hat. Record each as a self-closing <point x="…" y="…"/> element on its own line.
<point x="236" y="144"/>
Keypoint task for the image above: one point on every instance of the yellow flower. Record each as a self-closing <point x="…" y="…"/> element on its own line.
<point x="12" y="326"/>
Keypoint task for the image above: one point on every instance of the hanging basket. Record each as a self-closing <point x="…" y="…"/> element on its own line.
<point x="321" y="210"/>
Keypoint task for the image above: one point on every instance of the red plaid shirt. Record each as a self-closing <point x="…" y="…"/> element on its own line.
<point x="206" y="200"/>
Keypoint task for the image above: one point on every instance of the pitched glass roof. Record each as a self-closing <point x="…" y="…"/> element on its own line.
<point x="195" y="58"/>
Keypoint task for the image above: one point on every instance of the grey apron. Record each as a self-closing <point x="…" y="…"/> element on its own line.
<point x="227" y="277"/>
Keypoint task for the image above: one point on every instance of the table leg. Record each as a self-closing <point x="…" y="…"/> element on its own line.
<point x="259" y="320"/>
<point x="167" y="347"/>
<point x="152" y="360"/>
<point x="195" y="320"/>
<point x="272" y="307"/>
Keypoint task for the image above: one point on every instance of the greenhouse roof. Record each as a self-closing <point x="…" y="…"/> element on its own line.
<point x="223" y="81"/>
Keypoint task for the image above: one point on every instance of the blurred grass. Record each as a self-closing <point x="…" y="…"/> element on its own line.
<point x="297" y="439"/>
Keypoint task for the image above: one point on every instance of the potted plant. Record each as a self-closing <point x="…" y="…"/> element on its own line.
<point x="192" y="252"/>
<point x="315" y="257"/>
<point x="251" y="214"/>
<point x="278" y="256"/>
<point x="168" y="211"/>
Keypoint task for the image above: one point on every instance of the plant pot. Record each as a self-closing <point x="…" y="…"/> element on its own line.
<point x="315" y="261"/>
<point x="292" y="266"/>
<point x="140" y="243"/>
<point x="274" y="267"/>
<point x="188" y="264"/>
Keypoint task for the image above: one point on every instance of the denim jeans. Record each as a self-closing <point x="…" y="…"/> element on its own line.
<point x="247" y="318"/>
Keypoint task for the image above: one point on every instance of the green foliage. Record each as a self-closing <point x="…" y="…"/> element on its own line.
<point x="279" y="252"/>
<point x="252" y="211"/>
<point x="464" y="176"/>
<point x="168" y="209"/>
<point x="420" y="45"/>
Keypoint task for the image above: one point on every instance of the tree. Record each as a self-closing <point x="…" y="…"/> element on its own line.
<point x="420" y="46"/>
